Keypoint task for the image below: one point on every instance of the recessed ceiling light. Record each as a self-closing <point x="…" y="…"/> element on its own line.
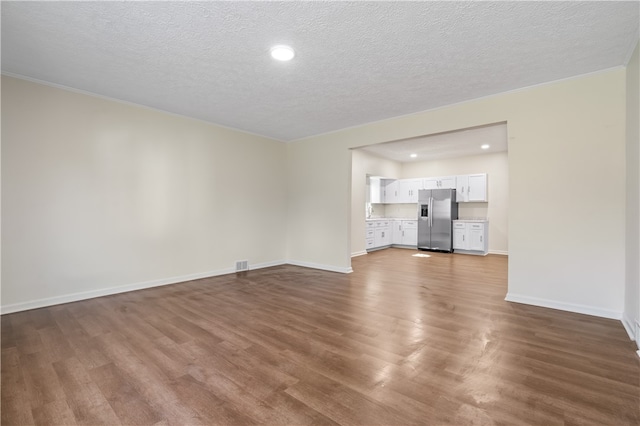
<point x="282" y="53"/>
<point x="413" y="155"/>
<point x="485" y="146"/>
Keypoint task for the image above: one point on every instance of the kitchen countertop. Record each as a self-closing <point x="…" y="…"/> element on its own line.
<point x="390" y="218"/>
<point x="474" y="219"/>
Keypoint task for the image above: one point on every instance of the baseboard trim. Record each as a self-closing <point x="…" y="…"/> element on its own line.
<point x="563" y="306"/>
<point x="358" y="253"/>
<point x="263" y="265"/>
<point x="76" y="297"/>
<point x="344" y="270"/>
<point x="500" y="252"/>
<point x="628" y="326"/>
<point x="633" y="329"/>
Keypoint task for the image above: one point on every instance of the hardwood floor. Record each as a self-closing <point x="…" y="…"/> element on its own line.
<point x="402" y="340"/>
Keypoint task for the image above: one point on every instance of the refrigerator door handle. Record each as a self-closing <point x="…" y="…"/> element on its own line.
<point x="430" y="212"/>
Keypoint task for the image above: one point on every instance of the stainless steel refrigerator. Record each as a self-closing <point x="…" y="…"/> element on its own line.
<point x="437" y="208"/>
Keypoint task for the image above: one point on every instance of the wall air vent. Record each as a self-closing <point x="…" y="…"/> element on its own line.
<point x="242" y="265"/>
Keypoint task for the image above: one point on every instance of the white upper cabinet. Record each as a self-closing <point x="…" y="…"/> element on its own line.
<point x="471" y="188"/>
<point x="477" y="187"/>
<point x="462" y="189"/>
<point x="376" y="190"/>
<point x="408" y="190"/>
<point x="444" y="182"/>
<point x="391" y="191"/>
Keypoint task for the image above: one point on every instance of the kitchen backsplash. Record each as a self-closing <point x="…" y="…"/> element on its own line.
<point x="465" y="210"/>
<point x="394" y="210"/>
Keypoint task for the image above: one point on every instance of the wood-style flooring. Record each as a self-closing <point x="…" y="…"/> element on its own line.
<point x="402" y="340"/>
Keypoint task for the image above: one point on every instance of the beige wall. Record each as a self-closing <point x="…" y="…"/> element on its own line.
<point x="497" y="168"/>
<point x="319" y="206"/>
<point x="566" y="151"/>
<point x="632" y="289"/>
<point x="100" y="196"/>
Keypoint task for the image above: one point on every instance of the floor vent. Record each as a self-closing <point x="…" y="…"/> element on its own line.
<point x="242" y="265"/>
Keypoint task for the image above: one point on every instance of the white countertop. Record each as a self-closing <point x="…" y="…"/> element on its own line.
<point x="391" y="218"/>
<point x="477" y="219"/>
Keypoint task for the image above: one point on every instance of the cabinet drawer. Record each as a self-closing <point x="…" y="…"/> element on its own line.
<point x="370" y="233"/>
<point x="409" y="224"/>
<point x="369" y="243"/>
<point x="381" y="223"/>
<point x="370" y="224"/>
<point x="476" y="225"/>
<point x="458" y="225"/>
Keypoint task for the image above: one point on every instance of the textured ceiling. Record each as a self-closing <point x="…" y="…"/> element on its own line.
<point x="356" y="62"/>
<point x="461" y="143"/>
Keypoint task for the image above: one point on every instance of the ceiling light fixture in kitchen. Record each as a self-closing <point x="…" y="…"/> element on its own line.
<point x="485" y="146"/>
<point x="282" y="53"/>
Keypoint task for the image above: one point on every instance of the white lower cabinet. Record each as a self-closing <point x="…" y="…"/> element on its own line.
<point x="384" y="233"/>
<point x="378" y="234"/>
<point x="370" y="240"/>
<point x="470" y="237"/>
<point x="459" y="236"/>
<point x="405" y="233"/>
<point x="409" y="233"/>
<point x="382" y="237"/>
<point x="477" y="238"/>
<point x="396" y="238"/>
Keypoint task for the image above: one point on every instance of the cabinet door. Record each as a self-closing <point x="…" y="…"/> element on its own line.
<point x="415" y="185"/>
<point x="376" y="190"/>
<point x="391" y="192"/>
<point x="462" y="189"/>
<point x="477" y="187"/>
<point x="382" y="237"/>
<point x="396" y="237"/>
<point x="378" y="237"/>
<point x="404" y="190"/>
<point x="408" y="190"/>
<point x="386" y="236"/>
<point x="410" y="233"/>
<point x="448" y="182"/>
<point x="476" y="237"/>
<point x="459" y="238"/>
<point x="431" y="183"/>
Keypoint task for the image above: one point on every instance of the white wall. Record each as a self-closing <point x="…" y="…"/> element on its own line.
<point x="100" y="196"/>
<point x="496" y="209"/>
<point x="364" y="164"/>
<point x="632" y="289"/>
<point x="566" y="149"/>
<point x="319" y="206"/>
